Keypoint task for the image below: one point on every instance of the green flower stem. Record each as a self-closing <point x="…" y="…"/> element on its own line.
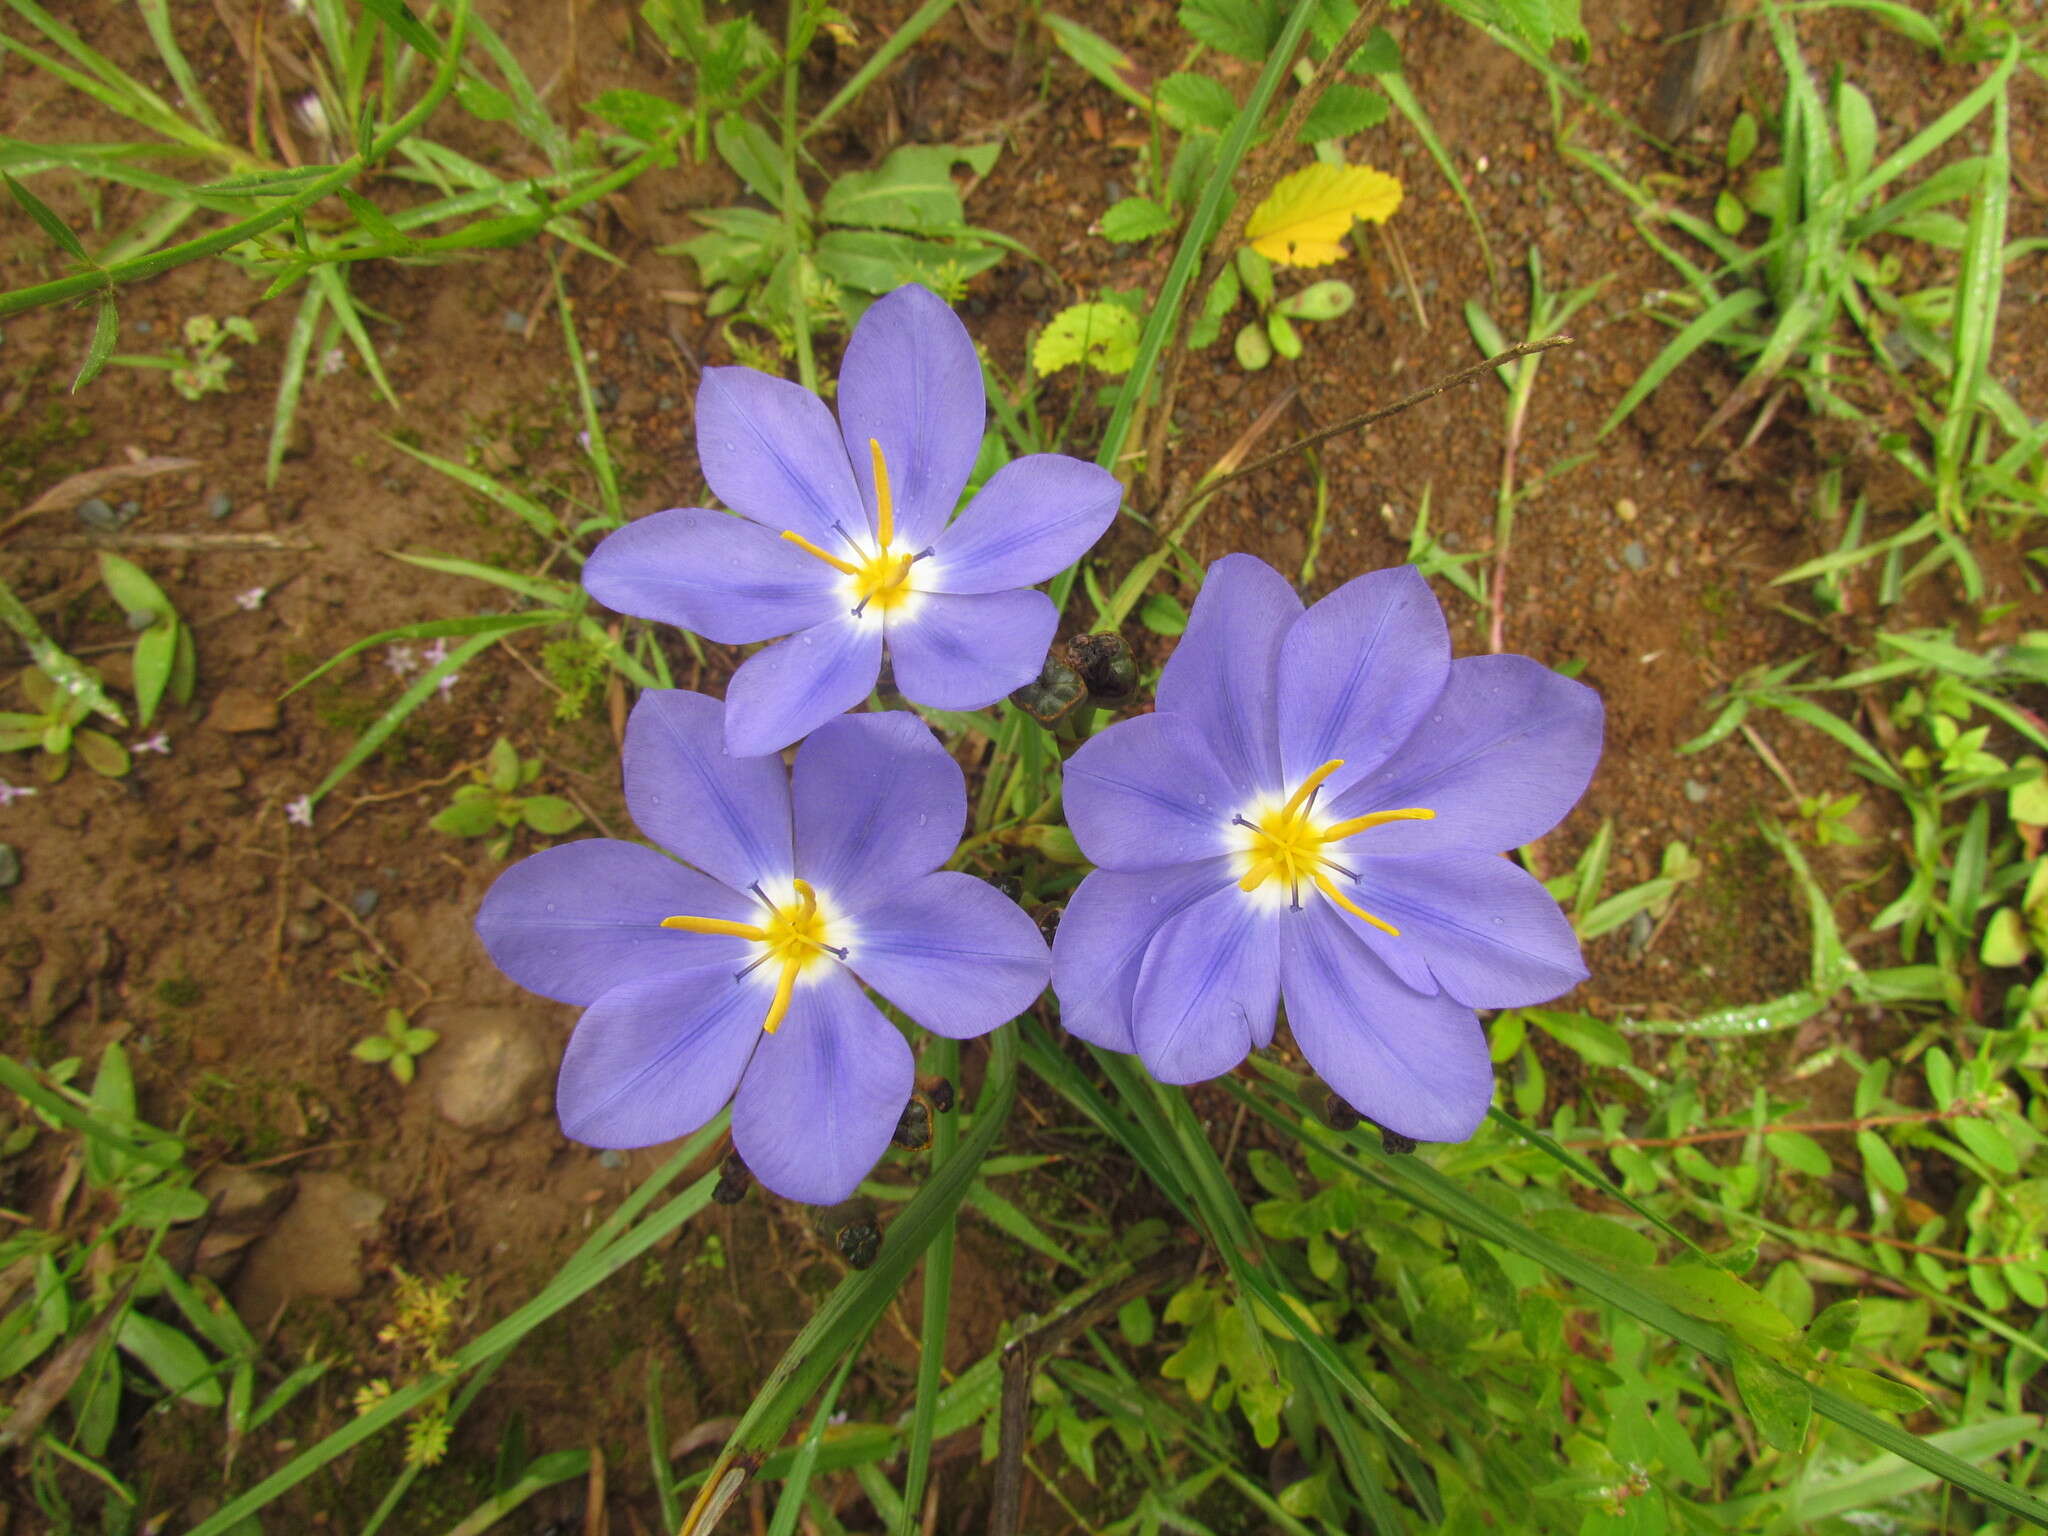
<point x="106" y="279"/>
<point x="844" y="1321"/>
<point x="938" y="1287"/>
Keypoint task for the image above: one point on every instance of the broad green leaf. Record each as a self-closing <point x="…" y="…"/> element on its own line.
<point x="1196" y="101"/>
<point x="467" y="818"/>
<point x="1798" y="1151"/>
<point x="1984" y="1138"/>
<point x="172" y="1358"/>
<point x="1163" y="614"/>
<point x="1098" y="335"/>
<point x="551" y="815"/>
<point x="1780" y="1405"/>
<point x="1241" y="28"/>
<point x="911" y="190"/>
<point x="1880" y="1163"/>
<point x="1136" y="218"/>
<point x="1304" y="219"/>
<point x="1344" y="110"/>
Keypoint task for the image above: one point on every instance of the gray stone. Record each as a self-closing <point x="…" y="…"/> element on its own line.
<point x="95" y="514"/>
<point x="485" y="1070"/>
<point x="219" y="505"/>
<point x="364" y="901"/>
<point x="1634" y="556"/>
<point x="315" y="1249"/>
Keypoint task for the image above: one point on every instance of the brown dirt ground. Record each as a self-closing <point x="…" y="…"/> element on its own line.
<point x="187" y="869"/>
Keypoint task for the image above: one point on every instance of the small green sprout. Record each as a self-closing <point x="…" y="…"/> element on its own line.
<point x="53" y="725"/>
<point x="1829" y="816"/>
<point x="165" y="657"/>
<point x="492" y="803"/>
<point x="201" y="368"/>
<point x="400" y="1045"/>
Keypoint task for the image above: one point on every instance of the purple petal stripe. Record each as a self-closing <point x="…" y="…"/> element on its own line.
<point x="1034" y="518"/>
<point x="878" y="803"/>
<point x="1149" y="792"/>
<point x="1491" y="934"/>
<point x="1416" y="1065"/>
<point x="652" y="1060"/>
<point x="964" y="652"/>
<point x="730" y="580"/>
<point x="578" y="919"/>
<point x="771" y="451"/>
<point x="1209" y="988"/>
<point x="822" y="1094"/>
<point x="1222" y="672"/>
<point x="954" y="953"/>
<point x="782" y="694"/>
<point x="1100" y="946"/>
<point x="726" y="814"/>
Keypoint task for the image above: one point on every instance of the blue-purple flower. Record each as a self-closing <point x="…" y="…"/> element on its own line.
<point x="737" y="973"/>
<point x="1316" y="812"/>
<point x="843" y="543"/>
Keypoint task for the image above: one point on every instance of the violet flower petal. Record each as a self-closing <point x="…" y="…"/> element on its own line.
<point x="823" y="1093"/>
<point x="1221" y="673"/>
<point x="1506" y="752"/>
<point x="1208" y="989"/>
<point x="911" y="381"/>
<point x="652" y="1060"/>
<point x="1100" y="946"/>
<point x="952" y="952"/>
<point x="1035" y="517"/>
<point x="878" y="802"/>
<point x="726" y="814"/>
<point x="963" y="652"/>
<point x="1149" y="792"/>
<point x="782" y="694"/>
<point x="1357" y="672"/>
<point x="771" y="451"/>
<point x="1416" y="1065"/>
<point x="1492" y="935"/>
<point x="578" y="919"/>
<point x="729" y="579"/>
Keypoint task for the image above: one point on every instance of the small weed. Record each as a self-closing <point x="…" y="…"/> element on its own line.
<point x="492" y="807"/>
<point x="398" y="1045"/>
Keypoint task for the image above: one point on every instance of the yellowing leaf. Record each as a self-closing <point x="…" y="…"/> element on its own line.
<point x="1303" y="219"/>
<point x="1101" y="336"/>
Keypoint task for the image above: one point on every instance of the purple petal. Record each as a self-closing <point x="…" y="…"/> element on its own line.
<point x="964" y="652"/>
<point x="771" y="451"/>
<point x="1149" y="792"/>
<point x="782" y="694"/>
<point x="1034" y="518"/>
<point x="1222" y="673"/>
<point x="878" y="802"/>
<point x="1209" y="988"/>
<point x="730" y="580"/>
<point x="576" y="920"/>
<point x="1416" y="1065"/>
<point x="1491" y="934"/>
<point x="1357" y="671"/>
<point x="727" y="815"/>
<point x="911" y="382"/>
<point x="1100" y="946"/>
<point x="954" y="953"/>
<point x="1507" y="750"/>
<point x="822" y="1094"/>
<point x="653" y="1060"/>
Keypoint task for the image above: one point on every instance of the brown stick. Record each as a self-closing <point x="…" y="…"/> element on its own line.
<point x="1023" y="1355"/>
<point x="1867" y="1122"/>
<point x="191" y="541"/>
<point x="1264" y="170"/>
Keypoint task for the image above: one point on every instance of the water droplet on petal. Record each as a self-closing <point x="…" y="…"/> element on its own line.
<point x="1201" y="799"/>
<point x="551" y="908"/>
<point x="1498" y="922"/>
<point x="922" y="819"/>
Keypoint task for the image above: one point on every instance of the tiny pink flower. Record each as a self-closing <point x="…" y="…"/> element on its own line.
<point x="252" y="599"/>
<point x="434" y="653"/>
<point x="9" y="793"/>
<point x="447" y="684"/>
<point x="332" y="361"/>
<point x="299" y="812"/>
<point x="401" y="659"/>
<point x="160" y="744"/>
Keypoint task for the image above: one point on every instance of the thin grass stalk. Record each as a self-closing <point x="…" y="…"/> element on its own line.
<point x="107" y="279"/>
<point x="938" y="1290"/>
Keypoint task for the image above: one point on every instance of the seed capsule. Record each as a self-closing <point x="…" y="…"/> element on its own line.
<point x="1106" y="665"/>
<point x="1395" y="1144"/>
<point x="1338" y="1115"/>
<point x="733" y="1179"/>
<point x="1058" y="694"/>
<point x="914" y="1125"/>
<point x="942" y="1096"/>
<point x="854" y="1231"/>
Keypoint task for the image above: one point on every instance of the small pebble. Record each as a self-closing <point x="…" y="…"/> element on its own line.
<point x="364" y="902"/>
<point x="303" y="929"/>
<point x="1696" y="792"/>
<point x="10" y="866"/>
<point x="1625" y="509"/>
<point x="219" y="505"/>
<point x="130" y="510"/>
<point x="612" y="1158"/>
<point x="98" y="516"/>
<point x="1635" y="556"/>
<point x="512" y="320"/>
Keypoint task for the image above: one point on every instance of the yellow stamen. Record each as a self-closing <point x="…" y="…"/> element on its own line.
<point x="1309" y="786"/>
<point x="1288" y="844"/>
<point x="885" y="512"/>
<point x="1329" y="889"/>
<point x="785" y="984"/>
<point x="716" y="925"/>
<point x="837" y="564"/>
<point x="1376" y="819"/>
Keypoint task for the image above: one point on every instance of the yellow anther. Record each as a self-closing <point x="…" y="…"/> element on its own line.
<point x="1376" y="819"/>
<point x="716" y="925"/>
<point x="809" y="548"/>
<point x="885" y="511"/>
<point x="1288" y="844"/>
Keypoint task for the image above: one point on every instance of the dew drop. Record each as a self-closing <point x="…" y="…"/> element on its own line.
<point x="551" y="909"/>
<point x="1201" y="799"/>
<point x="922" y="819"/>
<point x="1498" y="922"/>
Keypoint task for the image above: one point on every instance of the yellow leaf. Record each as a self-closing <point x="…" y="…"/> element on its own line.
<point x="1303" y="219"/>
